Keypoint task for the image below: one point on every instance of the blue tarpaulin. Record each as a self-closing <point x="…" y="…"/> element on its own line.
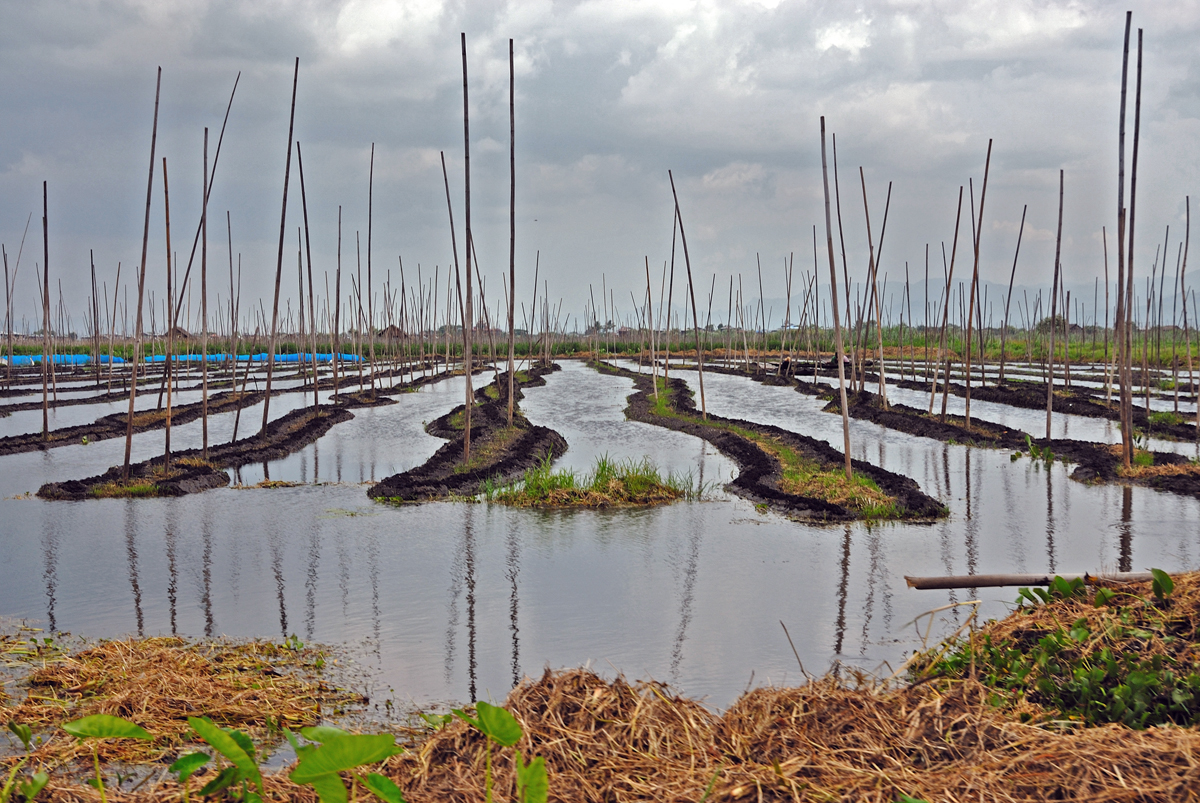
<point x="84" y="359"/>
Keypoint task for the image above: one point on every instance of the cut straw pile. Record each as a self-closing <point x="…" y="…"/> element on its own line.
<point x="159" y="682"/>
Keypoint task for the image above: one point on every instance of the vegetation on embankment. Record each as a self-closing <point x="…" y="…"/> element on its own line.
<point x="499" y="453"/>
<point x="610" y="483"/>
<point x="793" y="473"/>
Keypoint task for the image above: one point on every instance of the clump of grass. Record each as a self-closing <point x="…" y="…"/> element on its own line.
<point x="485" y="452"/>
<point x="134" y="488"/>
<point x="802" y="475"/>
<point x="1127" y="656"/>
<point x="1166" y="418"/>
<point x="610" y="483"/>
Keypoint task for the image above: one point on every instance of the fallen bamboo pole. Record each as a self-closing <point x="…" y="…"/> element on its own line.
<point x="1002" y="580"/>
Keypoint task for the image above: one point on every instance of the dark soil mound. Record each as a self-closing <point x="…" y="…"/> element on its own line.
<point x="498" y="453"/>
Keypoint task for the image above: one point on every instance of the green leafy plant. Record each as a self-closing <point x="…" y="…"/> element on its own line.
<point x="236" y="747"/>
<point x="27" y="787"/>
<point x="103" y="726"/>
<point x="502" y="728"/>
<point x="321" y="766"/>
<point x="185" y="766"/>
<point x="1162" y="585"/>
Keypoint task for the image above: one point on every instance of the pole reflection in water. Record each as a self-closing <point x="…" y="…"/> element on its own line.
<point x="50" y="571"/>
<point x="876" y="578"/>
<point x="276" y="547"/>
<point x="310" y="581"/>
<point x="1050" y="557"/>
<point x="1126" y="529"/>
<point x="469" y="556"/>
<point x="373" y="574"/>
<point x="172" y="570"/>
<point x="972" y="528"/>
<point x="687" y="595"/>
<point x="132" y="556"/>
<point x="512" y="571"/>
<point x="206" y="558"/>
<point x="843" y="589"/>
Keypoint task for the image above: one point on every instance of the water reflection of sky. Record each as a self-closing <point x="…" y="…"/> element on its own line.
<point x="453" y="601"/>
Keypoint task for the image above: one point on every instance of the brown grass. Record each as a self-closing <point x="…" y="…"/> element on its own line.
<point x="1174" y="470"/>
<point x="159" y="682"/>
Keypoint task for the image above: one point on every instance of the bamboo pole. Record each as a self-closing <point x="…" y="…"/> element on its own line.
<point x="337" y="310"/>
<point x="312" y="316"/>
<point x="837" y="328"/>
<point x="287" y="174"/>
<point x="370" y="295"/>
<point x="976" y="236"/>
<point x="141" y="286"/>
<point x="1137" y="125"/>
<point x="945" y="313"/>
<point x="204" y="304"/>
<point x="1123" y="304"/>
<point x="512" y="230"/>
<point x="1003" y="580"/>
<point x="692" y="293"/>
<point x="47" y="357"/>
<point x="167" y="367"/>
<point x="95" y="315"/>
<point x="468" y="316"/>
<point x="1054" y="310"/>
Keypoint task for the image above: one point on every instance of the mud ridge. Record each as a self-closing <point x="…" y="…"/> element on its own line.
<point x="444" y="474"/>
<point x="283" y="436"/>
<point x="760" y="473"/>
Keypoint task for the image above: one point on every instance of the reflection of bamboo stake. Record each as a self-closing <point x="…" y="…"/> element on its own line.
<point x="287" y="173"/>
<point x="977" y="235"/>
<point x="837" y="328"/>
<point x="141" y="286"/>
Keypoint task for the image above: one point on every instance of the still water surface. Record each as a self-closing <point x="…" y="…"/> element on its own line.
<point x="453" y="602"/>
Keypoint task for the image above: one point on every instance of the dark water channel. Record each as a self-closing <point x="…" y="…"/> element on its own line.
<point x="456" y="601"/>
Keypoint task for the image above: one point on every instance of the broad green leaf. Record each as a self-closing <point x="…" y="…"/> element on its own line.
<point x="243" y="741"/>
<point x="458" y="712"/>
<point x="384" y="788"/>
<point x="1163" y="585"/>
<point x="532" y="784"/>
<point x="103" y="726"/>
<point x="225" y="778"/>
<point x="227" y="746"/>
<point x="498" y="725"/>
<point x="1104" y="596"/>
<point x="344" y="753"/>
<point x="35" y="783"/>
<point x="329" y="788"/>
<point x="322" y="733"/>
<point x="301" y="750"/>
<point x="22" y="732"/>
<point x="184" y="766"/>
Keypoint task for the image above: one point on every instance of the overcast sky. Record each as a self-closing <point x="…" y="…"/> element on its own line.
<point x="610" y="95"/>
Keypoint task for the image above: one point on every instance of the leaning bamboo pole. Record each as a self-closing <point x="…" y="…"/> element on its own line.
<point x="692" y="293"/>
<point x="1137" y="124"/>
<point x="141" y="287"/>
<point x="976" y="235"/>
<point x="312" y="316"/>
<point x="837" y="328"/>
<point x="937" y="363"/>
<point x="287" y="174"/>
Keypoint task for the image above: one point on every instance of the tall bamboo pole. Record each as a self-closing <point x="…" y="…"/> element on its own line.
<point x="1137" y="124"/>
<point x="468" y="314"/>
<point x="287" y="174"/>
<point x="47" y="357"/>
<point x="692" y="293"/>
<point x="946" y="312"/>
<point x="1123" y="304"/>
<point x="204" y="304"/>
<point x="312" y="316"/>
<point x="141" y="286"/>
<point x="1008" y="302"/>
<point x="837" y="327"/>
<point x="167" y="367"/>
<point x="512" y="230"/>
<point x="975" y="280"/>
<point x="1054" y="309"/>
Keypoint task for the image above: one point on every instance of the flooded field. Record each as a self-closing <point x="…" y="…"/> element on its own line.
<point x="453" y="601"/>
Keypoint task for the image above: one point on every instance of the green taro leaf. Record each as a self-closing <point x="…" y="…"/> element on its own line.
<point x="1163" y="585"/>
<point x="384" y="788"/>
<point x="30" y="787"/>
<point x="329" y="788"/>
<point x="227" y="745"/>
<point x="1104" y="596"/>
<point x="184" y="766"/>
<point x="22" y="732"/>
<point x="242" y="740"/>
<point x="532" y="784"/>
<point x="322" y="733"/>
<point x="498" y="725"/>
<point x="224" y="779"/>
<point x="345" y="753"/>
<point x="458" y="712"/>
<point x="103" y="726"/>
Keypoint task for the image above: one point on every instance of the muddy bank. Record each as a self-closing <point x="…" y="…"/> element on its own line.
<point x="190" y="474"/>
<point x="499" y="453"/>
<point x="114" y="425"/>
<point x="760" y="473"/>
